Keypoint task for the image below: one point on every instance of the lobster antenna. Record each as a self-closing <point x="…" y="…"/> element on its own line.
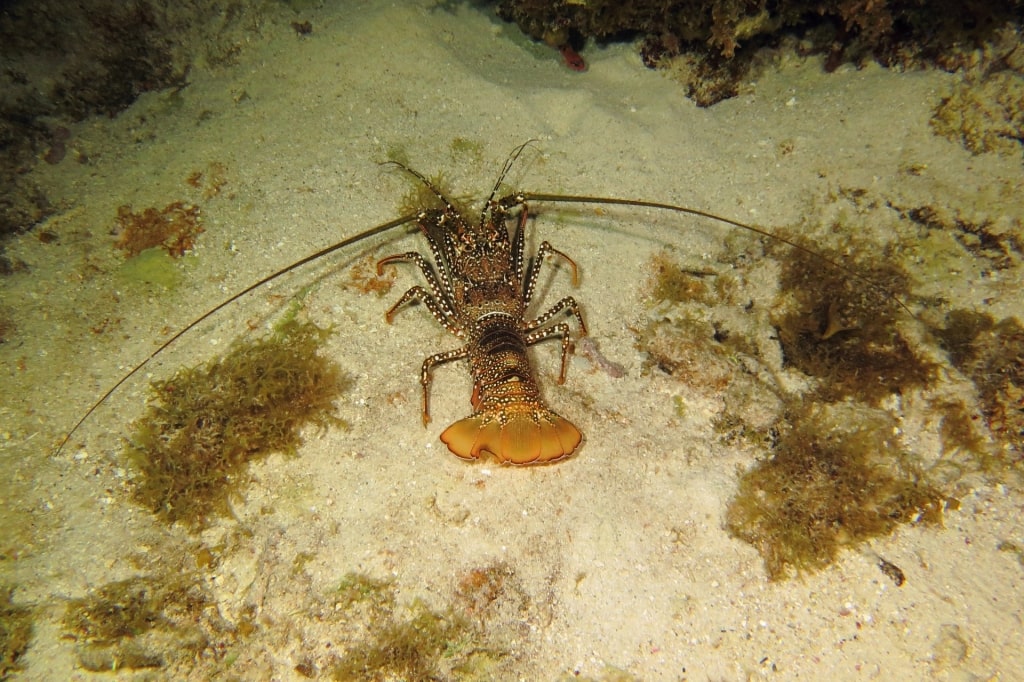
<point x="579" y="199"/>
<point x="509" y="162"/>
<point x="366" y="234"/>
<point x="423" y="179"/>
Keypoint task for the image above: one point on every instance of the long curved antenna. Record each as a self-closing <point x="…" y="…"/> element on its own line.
<point x="574" y="199"/>
<point x="366" y="234"/>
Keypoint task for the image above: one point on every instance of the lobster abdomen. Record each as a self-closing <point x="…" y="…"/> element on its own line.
<point x="510" y="420"/>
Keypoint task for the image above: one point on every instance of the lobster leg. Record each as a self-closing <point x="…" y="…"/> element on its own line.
<point x="519" y="245"/>
<point x="545" y="250"/>
<point x="436" y="301"/>
<point x="426" y="376"/>
<point x="561" y="329"/>
<point x="566" y="303"/>
<point x="418" y="293"/>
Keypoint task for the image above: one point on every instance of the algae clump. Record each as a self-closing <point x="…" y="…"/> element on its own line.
<point x="834" y="480"/>
<point x="839" y="325"/>
<point x="984" y="114"/>
<point x="141" y="622"/>
<point x="409" y="641"/>
<point x="15" y="632"/>
<point x="206" y="423"/>
<point x="990" y="353"/>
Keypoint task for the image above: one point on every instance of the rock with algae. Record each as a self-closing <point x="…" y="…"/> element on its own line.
<point x="984" y="115"/>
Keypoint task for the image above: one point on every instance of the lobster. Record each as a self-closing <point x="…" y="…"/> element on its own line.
<point x="479" y="287"/>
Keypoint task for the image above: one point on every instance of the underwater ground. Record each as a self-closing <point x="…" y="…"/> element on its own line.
<point x="794" y="466"/>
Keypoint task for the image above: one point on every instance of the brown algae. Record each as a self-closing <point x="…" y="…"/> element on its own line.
<point x="141" y="622"/>
<point x="206" y="423"/>
<point x="835" y="479"/>
<point x="842" y="329"/>
<point x="991" y="354"/>
<point x="15" y="632"/>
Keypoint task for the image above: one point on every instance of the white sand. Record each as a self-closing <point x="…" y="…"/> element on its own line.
<point x="620" y="557"/>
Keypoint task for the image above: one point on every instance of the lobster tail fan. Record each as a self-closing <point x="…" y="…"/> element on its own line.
<point x="519" y="438"/>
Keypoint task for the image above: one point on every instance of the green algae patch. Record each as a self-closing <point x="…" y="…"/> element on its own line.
<point x="835" y="479"/>
<point x="152" y="266"/>
<point x="205" y="424"/>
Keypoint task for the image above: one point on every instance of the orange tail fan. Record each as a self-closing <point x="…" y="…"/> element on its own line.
<point x="534" y="436"/>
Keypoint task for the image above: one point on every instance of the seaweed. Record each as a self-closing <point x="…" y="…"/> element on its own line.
<point x="173" y="228"/>
<point x="984" y="114"/>
<point x="991" y="354"/>
<point x="671" y="283"/>
<point x="15" y="632"/>
<point x="841" y="329"/>
<point x="407" y="642"/>
<point x="375" y="597"/>
<point x="421" y="197"/>
<point x="403" y="648"/>
<point x="140" y="622"/>
<point x="205" y="424"/>
<point x="959" y="431"/>
<point x="836" y="476"/>
<point x="125" y="608"/>
<point x="834" y="480"/>
<point x="1001" y="246"/>
<point x="682" y="338"/>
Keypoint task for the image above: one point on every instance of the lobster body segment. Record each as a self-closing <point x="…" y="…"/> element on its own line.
<point x="479" y="287"/>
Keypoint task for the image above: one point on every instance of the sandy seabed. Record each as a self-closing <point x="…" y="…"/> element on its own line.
<point x="614" y="564"/>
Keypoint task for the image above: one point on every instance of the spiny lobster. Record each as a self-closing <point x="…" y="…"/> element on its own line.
<point x="478" y="288"/>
